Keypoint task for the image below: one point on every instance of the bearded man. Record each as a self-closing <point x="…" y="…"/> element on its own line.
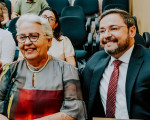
<point x="116" y="81"/>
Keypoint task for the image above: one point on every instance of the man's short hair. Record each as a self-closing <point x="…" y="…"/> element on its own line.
<point x="127" y="18"/>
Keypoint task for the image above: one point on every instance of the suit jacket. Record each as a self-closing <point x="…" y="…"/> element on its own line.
<point x="137" y="83"/>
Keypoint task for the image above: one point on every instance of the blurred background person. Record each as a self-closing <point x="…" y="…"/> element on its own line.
<point x="61" y="45"/>
<point x="13" y="2"/>
<point x="28" y="6"/>
<point x="7" y="47"/>
<point x="42" y="87"/>
<point x="4" y="17"/>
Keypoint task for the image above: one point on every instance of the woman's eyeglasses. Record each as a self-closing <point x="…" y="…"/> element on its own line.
<point x="33" y="37"/>
<point x="50" y="19"/>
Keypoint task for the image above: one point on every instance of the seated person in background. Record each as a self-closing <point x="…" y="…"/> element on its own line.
<point x="100" y="6"/>
<point x="28" y="6"/>
<point x="4" y="17"/>
<point x="42" y="87"/>
<point x="61" y="46"/>
<point x="13" y="2"/>
<point x="7" y="47"/>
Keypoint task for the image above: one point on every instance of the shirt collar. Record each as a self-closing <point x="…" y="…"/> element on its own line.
<point x="125" y="57"/>
<point x="33" y="0"/>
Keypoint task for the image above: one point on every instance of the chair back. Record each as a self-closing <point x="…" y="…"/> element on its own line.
<point x="146" y="36"/>
<point x="89" y="6"/>
<point x="73" y="27"/>
<point x="135" y="20"/>
<point x="12" y="28"/>
<point x="73" y="11"/>
<point x="139" y="40"/>
<point x="120" y="4"/>
<point x="58" y="5"/>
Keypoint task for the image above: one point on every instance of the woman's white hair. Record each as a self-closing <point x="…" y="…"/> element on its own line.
<point x="32" y="18"/>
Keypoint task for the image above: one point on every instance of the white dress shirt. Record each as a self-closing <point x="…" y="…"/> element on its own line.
<point x="7" y="47"/>
<point x="121" y="111"/>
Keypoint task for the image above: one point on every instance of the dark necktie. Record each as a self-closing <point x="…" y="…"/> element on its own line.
<point x="112" y="88"/>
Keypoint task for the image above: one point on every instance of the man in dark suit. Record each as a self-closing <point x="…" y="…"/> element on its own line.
<point x="129" y="96"/>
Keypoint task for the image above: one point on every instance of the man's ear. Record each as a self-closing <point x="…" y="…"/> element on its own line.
<point x="132" y="31"/>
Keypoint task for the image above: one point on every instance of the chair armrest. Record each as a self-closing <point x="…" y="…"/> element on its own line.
<point x="97" y="41"/>
<point x="7" y="24"/>
<point x="146" y="36"/>
<point x="96" y="44"/>
<point x="96" y="24"/>
<point x="88" y="25"/>
<point x="81" y="58"/>
<point x="16" y="53"/>
<point x="88" y="44"/>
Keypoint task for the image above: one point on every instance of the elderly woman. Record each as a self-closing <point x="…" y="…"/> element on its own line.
<point x="39" y="86"/>
<point x="61" y="46"/>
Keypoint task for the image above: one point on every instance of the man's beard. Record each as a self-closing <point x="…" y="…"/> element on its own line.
<point x="120" y="48"/>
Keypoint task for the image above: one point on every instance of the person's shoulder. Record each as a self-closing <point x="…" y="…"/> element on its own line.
<point x="15" y="63"/>
<point x="66" y="41"/>
<point x="6" y="37"/>
<point x="59" y="61"/>
<point x="143" y="49"/>
<point x="146" y="51"/>
<point x="142" y="52"/>
<point x="10" y="66"/>
<point x="5" y="33"/>
<point x="98" y="55"/>
<point x="56" y="61"/>
<point x="64" y="38"/>
<point x="63" y="65"/>
<point x="41" y="1"/>
<point x="20" y="1"/>
<point x="95" y="59"/>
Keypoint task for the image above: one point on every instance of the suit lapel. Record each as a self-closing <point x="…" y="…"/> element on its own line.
<point x="95" y="82"/>
<point x="135" y="64"/>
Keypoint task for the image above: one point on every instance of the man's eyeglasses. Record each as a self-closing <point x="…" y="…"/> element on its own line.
<point x="32" y="37"/>
<point x="112" y="29"/>
<point x="50" y="19"/>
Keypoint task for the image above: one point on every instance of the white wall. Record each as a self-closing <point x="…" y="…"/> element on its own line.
<point x="141" y="9"/>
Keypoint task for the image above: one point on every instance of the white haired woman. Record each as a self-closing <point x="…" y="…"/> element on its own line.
<point x="39" y="86"/>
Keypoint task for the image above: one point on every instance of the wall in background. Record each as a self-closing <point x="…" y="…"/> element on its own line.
<point x="141" y="9"/>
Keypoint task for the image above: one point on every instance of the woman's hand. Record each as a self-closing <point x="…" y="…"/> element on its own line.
<point x="2" y="117"/>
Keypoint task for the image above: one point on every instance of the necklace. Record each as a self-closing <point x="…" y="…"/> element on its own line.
<point x="36" y="71"/>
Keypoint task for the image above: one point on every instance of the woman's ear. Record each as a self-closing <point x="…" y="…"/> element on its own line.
<point x="132" y="31"/>
<point x="49" y="42"/>
<point x="56" y="24"/>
